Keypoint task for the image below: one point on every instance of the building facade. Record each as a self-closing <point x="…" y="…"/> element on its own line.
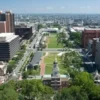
<point x="97" y="54"/>
<point x="9" y="45"/>
<point x="89" y="34"/>
<point x="6" y="22"/>
<point x="23" y="31"/>
<point x="55" y="80"/>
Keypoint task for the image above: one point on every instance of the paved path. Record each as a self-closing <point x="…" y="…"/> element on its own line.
<point x="42" y="66"/>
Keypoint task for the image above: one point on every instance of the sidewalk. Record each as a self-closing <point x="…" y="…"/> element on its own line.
<point x="42" y="67"/>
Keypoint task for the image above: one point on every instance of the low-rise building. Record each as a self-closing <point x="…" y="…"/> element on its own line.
<point x="56" y="80"/>
<point x="96" y="76"/>
<point x="35" y="60"/>
<point x="50" y="30"/>
<point x="3" y="68"/>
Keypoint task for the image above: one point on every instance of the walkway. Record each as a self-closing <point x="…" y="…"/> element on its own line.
<point x="42" y="65"/>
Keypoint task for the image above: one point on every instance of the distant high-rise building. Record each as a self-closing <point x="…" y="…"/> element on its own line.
<point x="6" y="22"/>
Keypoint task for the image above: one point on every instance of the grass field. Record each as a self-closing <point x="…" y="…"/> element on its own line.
<point x="49" y="63"/>
<point x="52" y="41"/>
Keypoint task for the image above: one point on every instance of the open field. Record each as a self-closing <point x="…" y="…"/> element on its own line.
<point x="48" y="60"/>
<point x="52" y="41"/>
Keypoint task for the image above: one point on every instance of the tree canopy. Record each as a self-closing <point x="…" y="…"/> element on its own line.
<point x="71" y="58"/>
<point x="25" y="90"/>
<point x="76" y="37"/>
<point x="82" y="87"/>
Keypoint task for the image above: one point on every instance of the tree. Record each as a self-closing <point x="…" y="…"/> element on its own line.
<point x="25" y="75"/>
<point x="71" y="58"/>
<point x="94" y="93"/>
<point x="68" y="44"/>
<point x="32" y="89"/>
<point x="23" y="47"/>
<point x="25" y="90"/>
<point x="8" y="94"/>
<point x="76" y="37"/>
<point x="56" y="25"/>
<point x="7" y="91"/>
<point x="32" y="54"/>
<point x="61" y="37"/>
<point x="11" y="66"/>
<point x="83" y="79"/>
<point x="39" y="26"/>
<point x="72" y="93"/>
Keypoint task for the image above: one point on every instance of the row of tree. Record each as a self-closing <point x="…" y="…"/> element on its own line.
<point x="82" y="88"/>
<point x="76" y="37"/>
<point x="62" y="39"/>
<point x="25" y="90"/>
<point x="71" y="59"/>
<point x="73" y="41"/>
<point x="12" y="63"/>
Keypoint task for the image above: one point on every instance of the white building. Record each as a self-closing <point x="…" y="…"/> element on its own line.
<point x="9" y="45"/>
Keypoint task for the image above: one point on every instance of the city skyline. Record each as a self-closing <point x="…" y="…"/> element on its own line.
<point x="51" y="6"/>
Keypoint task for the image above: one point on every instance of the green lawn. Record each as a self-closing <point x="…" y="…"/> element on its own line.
<point x="49" y="63"/>
<point x="52" y="41"/>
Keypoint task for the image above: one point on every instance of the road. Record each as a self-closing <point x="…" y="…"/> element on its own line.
<point x="29" y="48"/>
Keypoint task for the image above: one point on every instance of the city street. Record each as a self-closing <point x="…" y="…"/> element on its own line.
<point x="29" y="49"/>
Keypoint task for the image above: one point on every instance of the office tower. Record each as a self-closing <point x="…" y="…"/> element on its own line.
<point x="9" y="45"/>
<point x="6" y="22"/>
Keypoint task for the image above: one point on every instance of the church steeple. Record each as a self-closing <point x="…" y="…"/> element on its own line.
<point x="55" y="70"/>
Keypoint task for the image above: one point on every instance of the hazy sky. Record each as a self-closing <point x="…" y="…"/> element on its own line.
<point x="51" y="6"/>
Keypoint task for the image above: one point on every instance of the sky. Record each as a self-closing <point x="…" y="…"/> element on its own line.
<point x="51" y="6"/>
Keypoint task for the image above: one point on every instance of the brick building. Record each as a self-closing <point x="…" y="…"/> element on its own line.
<point x="56" y="80"/>
<point x="89" y="34"/>
<point x="6" y="22"/>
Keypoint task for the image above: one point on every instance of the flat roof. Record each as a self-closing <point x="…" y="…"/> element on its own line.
<point x="92" y="28"/>
<point x="36" y="59"/>
<point x="7" y="37"/>
<point x="61" y="76"/>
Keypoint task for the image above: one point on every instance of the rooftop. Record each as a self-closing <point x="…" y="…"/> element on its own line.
<point x="95" y="29"/>
<point x="7" y="37"/>
<point x="61" y="76"/>
<point x="36" y="59"/>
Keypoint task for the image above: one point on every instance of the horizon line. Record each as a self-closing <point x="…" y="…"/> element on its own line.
<point x="56" y="13"/>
